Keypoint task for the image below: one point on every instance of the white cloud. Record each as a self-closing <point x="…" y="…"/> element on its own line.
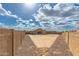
<point x="63" y="7"/>
<point x="29" y="27"/>
<point x="24" y="21"/>
<point x="0" y="6"/>
<point x="4" y="12"/>
<point x="58" y="16"/>
<point x="21" y="24"/>
<point x="25" y="25"/>
<point x="47" y="6"/>
<point x="2" y="25"/>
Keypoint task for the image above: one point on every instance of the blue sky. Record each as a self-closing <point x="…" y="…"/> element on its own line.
<point x="31" y="16"/>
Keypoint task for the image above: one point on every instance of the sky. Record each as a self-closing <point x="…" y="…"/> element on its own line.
<point x="47" y="16"/>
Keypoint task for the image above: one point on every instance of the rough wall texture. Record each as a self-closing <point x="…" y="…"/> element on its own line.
<point x="72" y="39"/>
<point x="74" y="42"/>
<point x="5" y="42"/>
<point x="18" y="36"/>
<point x="19" y="43"/>
<point x="59" y="46"/>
